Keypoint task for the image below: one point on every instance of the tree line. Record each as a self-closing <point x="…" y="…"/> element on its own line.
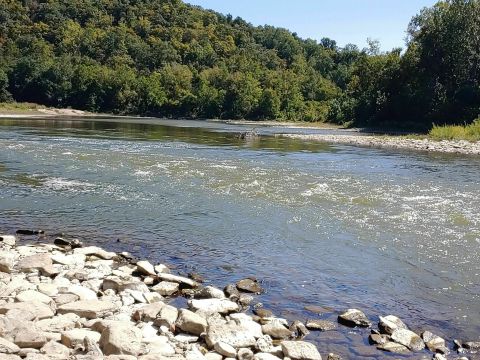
<point x="169" y="58"/>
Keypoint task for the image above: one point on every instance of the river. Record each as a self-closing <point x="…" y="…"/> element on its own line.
<point x="389" y="232"/>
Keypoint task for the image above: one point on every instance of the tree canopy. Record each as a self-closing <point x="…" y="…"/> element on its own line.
<point x="168" y="58"/>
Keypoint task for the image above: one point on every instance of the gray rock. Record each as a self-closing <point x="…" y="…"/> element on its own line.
<point x="230" y="333"/>
<point x="167" y="316"/>
<point x="120" y="284"/>
<point x="276" y="329"/>
<point x="90" y="309"/>
<point x="434" y="342"/>
<point x="299" y="329"/>
<point x="148" y="312"/>
<point x="121" y="339"/>
<point x="354" y="317"/>
<point x="472" y="345"/>
<point x="166" y="288"/>
<point x="41" y="262"/>
<point x="393" y="347"/>
<point x="300" y="350"/>
<point x="225" y="349"/>
<point x="210" y="292"/>
<point x="191" y="323"/>
<point x="322" y="325"/>
<point x="378" y="339"/>
<point x="332" y="356"/>
<point x="37" y="309"/>
<point x="222" y="306"/>
<point x="249" y="285"/>
<point x="55" y="350"/>
<point x="390" y="323"/>
<point x="30" y="338"/>
<point x="244" y="354"/>
<point x="59" y="323"/>
<point x="409" y="339"/>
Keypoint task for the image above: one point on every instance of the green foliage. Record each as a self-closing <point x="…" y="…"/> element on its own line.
<point x="469" y="132"/>
<point x="168" y="58"/>
<point x="161" y="57"/>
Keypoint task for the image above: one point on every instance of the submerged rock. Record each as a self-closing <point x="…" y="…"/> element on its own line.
<point x="393" y="347"/>
<point x="354" y="317"/>
<point x="322" y="325"/>
<point x="249" y="285"/>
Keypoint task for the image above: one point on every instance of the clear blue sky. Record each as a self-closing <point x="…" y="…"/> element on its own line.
<point x="346" y="21"/>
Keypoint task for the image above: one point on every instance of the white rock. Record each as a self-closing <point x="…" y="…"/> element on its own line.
<point x="9" y="240"/>
<point x="55" y="350"/>
<point x="145" y="268"/>
<point x="265" y="356"/>
<point x="7" y="261"/>
<point x="89" y="309"/>
<point x="409" y="339"/>
<point x="177" y="279"/>
<point x="48" y="289"/>
<point x="121" y="339"/>
<point x="96" y="251"/>
<point x="59" y="323"/>
<point x="75" y="337"/>
<point x="166" y="288"/>
<point x="32" y="295"/>
<point x="210" y="292"/>
<point x="160" y="346"/>
<point x="300" y="350"/>
<point x="231" y="333"/>
<point x="190" y="322"/>
<point x="354" y="317"/>
<point x="225" y="349"/>
<point x="162" y="269"/>
<point x="222" y="306"/>
<point x="8" y="347"/>
<point x="390" y="323"/>
<point x="38" y="309"/>
<point x="167" y="316"/>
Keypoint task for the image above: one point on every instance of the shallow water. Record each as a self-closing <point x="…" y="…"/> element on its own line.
<point x="339" y="226"/>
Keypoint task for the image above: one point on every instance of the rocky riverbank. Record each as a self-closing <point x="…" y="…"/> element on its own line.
<point x="394" y="142"/>
<point x="67" y="301"/>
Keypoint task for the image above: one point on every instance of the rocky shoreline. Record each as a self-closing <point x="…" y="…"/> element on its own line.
<point x="67" y="301"/>
<point x="394" y="142"/>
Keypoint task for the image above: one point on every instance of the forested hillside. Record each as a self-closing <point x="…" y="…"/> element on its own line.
<point x="167" y="58"/>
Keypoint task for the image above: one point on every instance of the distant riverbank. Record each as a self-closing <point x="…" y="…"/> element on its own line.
<point x="345" y="136"/>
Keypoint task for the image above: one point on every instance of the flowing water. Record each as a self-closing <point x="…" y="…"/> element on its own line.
<point x="336" y="226"/>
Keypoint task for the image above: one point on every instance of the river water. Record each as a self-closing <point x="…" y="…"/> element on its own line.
<point x="337" y="226"/>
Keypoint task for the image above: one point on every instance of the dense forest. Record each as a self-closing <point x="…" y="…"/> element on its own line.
<point x="168" y="58"/>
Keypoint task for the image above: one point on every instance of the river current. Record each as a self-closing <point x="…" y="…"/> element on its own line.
<point x="388" y="232"/>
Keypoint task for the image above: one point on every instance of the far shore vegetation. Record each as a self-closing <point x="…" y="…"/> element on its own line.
<point x="166" y="58"/>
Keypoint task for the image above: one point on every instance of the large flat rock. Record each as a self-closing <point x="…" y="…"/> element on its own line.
<point x="90" y="309"/>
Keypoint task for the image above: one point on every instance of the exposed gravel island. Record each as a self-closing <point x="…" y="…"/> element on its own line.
<point x="394" y="142"/>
